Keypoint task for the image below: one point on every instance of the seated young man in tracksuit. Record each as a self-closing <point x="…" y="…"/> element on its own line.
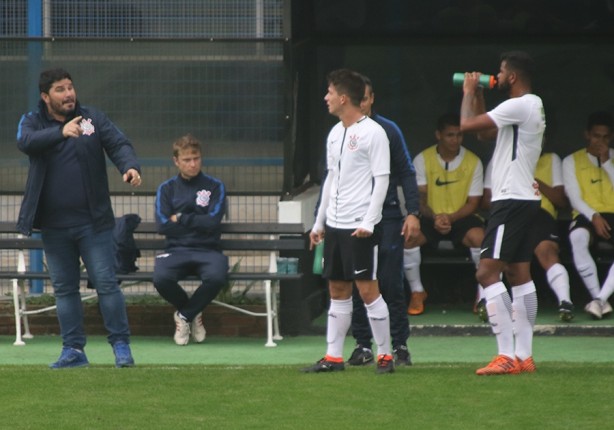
<point x="189" y="211"/>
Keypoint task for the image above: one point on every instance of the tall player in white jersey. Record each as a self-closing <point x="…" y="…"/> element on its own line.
<point x="518" y="124"/>
<point x="353" y="193"/>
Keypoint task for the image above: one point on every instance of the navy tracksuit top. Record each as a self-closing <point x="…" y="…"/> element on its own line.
<point x="201" y="201"/>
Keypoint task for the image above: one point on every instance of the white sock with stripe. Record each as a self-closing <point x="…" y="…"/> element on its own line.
<point x="411" y="264"/>
<point x="339" y="321"/>
<point x="608" y="286"/>
<point x="499" y="306"/>
<point x="379" y="319"/>
<point x="524" y="308"/>
<point x="585" y="265"/>
<point x="558" y="279"/>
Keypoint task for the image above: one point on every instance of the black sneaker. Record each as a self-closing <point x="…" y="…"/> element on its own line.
<point x="361" y="356"/>
<point x="401" y="355"/>
<point x="481" y="311"/>
<point x="566" y="311"/>
<point x="385" y="364"/>
<point x="324" y="365"/>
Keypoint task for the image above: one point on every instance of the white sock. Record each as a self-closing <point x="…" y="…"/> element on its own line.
<point x="608" y="286"/>
<point x="524" y="313"/>
<point x="585" y="265"/>
<point x="411" y="264"/>
<point x="499" y="306"/>
<point x="379" y="319"/>
<point x="475" y="256"/>
<point x="339" y="321"/>
<point x="558" y="279"/>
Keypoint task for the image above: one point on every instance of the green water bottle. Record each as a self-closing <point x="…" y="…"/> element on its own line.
<point x="318" y="258"/>
<point x="486" y="81"/>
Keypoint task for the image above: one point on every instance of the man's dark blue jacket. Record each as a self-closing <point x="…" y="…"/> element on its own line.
<point x="38" y="133"/>
<point x="402" y="172"/>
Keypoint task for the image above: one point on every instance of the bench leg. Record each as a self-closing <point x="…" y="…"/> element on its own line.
<point x="269" y="314"/>
<point x="17" y="307"/>
<point x="24" y="313"/>
<point x="274" y="306"/>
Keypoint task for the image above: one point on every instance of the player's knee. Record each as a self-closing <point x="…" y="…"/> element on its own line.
<point x="579" y="238"/>
<point x="488" y="272"/>
<point x="162" y="281"/>
<point x="474" y="237"/>
<point x="547" y="253"/>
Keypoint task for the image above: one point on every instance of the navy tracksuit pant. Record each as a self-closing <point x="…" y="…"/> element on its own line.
<point x="209" y="265"/>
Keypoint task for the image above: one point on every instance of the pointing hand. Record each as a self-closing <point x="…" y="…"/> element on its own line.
<point x="72" y="127"/>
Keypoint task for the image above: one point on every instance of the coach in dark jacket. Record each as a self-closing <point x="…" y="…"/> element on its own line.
<point x="40" y="135"/>
<point x="67" y="198"/>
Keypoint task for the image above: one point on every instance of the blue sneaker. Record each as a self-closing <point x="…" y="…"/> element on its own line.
<point x="123" y="355"/>
<point x="70" y="357"/>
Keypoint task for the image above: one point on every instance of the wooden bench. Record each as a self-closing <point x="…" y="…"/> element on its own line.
<point x="267" y="237"/>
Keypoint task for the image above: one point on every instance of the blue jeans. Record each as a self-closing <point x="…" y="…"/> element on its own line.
<point x="63" y="247"/>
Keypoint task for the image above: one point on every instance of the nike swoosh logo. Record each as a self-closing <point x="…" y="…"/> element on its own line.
<point x="358" y="272"/>
<point x="594" y="181"/>
<point x="482" y="251"/>
<point x="441" y="183"/>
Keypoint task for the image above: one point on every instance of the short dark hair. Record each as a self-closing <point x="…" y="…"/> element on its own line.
<point x="520" y="62"/>
<point x="450" y="118"/>
<point x="600" y="118"/>
<point x="48" y="77"/>
<point x="187" y="142"/>
<point x="368" y="82"/>
<point x="349" y="83"/>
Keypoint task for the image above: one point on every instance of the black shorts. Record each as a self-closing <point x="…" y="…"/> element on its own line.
<point x="544" y="227"/>
<point x="347" y="258"/>
<point x="507" y="236"/>
<point x="456" y="235"/>
<point x="582" y="222"/>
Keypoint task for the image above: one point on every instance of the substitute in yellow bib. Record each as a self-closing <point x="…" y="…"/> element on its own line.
<point x="588" y="175"/>
<point x="450" y="184"/>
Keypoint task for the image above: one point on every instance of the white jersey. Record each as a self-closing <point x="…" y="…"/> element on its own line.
<point x="355" y="155"/>
<point x="555" y="181"/>
<point x="521" y="123"/>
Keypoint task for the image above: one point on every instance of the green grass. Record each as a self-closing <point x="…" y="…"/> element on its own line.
<point x="430" y="396"/>
<point x="297" y="351"/>
<point x="234" y="383"/>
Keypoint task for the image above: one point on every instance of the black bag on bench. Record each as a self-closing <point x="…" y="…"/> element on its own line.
<point x="126" y="252"/>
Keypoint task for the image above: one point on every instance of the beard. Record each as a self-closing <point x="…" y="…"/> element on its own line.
<point x="503" y="86"/>
<point x="63" y="108"/>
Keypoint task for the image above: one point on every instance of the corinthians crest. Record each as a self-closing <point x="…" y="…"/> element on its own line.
<point x="87" y="126"/>
<point x="353" y="143"/>
<point x="203" y="197"/>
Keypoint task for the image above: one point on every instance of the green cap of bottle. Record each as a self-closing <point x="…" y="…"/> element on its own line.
<point x="486" y="81"/>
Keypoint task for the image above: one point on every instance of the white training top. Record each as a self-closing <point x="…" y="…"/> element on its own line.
<point x="521" y="122"/>
<point x="557" y="172"/>
<point x="477" y="186"/>
<point x="355" y="155"/>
